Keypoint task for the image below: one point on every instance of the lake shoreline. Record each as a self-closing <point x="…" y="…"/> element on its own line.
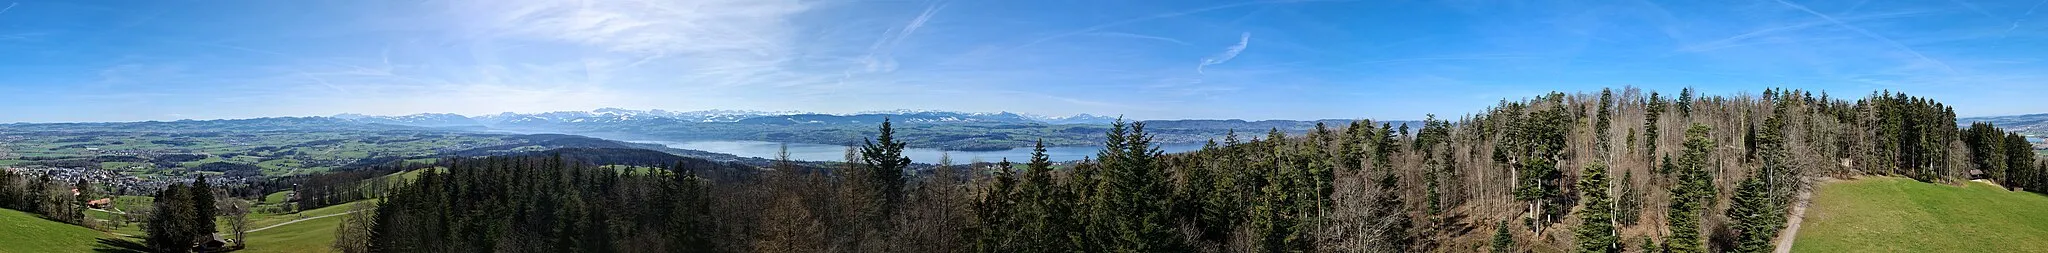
<point x="836" y="153"/>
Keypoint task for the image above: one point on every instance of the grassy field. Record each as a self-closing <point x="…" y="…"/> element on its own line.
<point x="24" y="233"/>
<point x="1886" y="214"/>
<point x="275" y="198"/>
<point x="256" y="220"/>
<point x="265" y="220"/>
<point x="314" y="235"/>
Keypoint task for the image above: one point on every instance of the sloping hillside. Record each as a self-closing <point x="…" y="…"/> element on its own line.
<point x="1888" y="214"/>
<point x="25" y="233"/>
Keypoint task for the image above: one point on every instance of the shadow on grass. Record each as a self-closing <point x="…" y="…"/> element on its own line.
<point x="124" y="245"/>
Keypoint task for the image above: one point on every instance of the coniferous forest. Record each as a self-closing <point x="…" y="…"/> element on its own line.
<point x="1613" y="171"/>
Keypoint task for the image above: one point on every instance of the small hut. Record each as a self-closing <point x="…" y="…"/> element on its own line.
<point x="212" y="243"/>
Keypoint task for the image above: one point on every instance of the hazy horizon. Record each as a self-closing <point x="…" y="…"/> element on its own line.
<point x="107" y="61"/>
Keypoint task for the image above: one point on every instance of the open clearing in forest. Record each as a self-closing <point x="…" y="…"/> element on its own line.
<point x="1890" y="214"/>
<point x="309" y="231"/>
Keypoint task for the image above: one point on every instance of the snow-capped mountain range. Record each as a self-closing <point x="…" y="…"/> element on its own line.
<point x="617" y="115"/>
<point x="423" y="119"/>
<point x="622" y="115"/>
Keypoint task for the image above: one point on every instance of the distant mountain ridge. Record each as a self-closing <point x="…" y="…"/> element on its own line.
<point x="2029" y="124"/>
<point x="421" y="120"/>
<point x="616" y="115"/>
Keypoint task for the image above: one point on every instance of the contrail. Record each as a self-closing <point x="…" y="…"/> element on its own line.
<point x="881" y="55"/>
<point x="10" y="6"/>
<point x="1155" y="16"/>
<point x="2023" y="17"/>
<point x="1867" y="33"/>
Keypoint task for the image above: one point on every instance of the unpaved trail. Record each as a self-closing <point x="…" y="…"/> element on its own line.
<point x="1798" y="214"/>
<point x="299" y="220"/>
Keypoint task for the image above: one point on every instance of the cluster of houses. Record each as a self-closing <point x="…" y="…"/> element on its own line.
<point x="121" y="184"/>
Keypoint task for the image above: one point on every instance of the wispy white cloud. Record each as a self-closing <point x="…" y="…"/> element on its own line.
<point x="2023" y="17"/>
<point x="543" y="55"/>
<point x="881" y="56"/>
<point x="1227" y="54"/>
<point x="1859" y="30"/>
<point x="1099" y="27"/>
<point x="716" y="42"/>
<point x="1745" y="39"/>
<point x="488" y="56"/>
<point x="10" y="6"/>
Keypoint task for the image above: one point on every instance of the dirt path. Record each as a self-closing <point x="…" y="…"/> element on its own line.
<point x="1798" y="214"/>
<point x="299" y="220"/>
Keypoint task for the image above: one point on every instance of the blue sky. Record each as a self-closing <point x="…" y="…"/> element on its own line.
<point x="164" y="60"/>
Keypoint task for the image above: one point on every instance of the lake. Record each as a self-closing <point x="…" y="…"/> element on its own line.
<point x="834" y="153"/>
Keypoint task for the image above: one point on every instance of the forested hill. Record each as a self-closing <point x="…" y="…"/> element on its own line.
<point x="1601" y="172"/>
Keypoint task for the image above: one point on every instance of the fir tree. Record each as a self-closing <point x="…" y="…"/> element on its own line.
<point x="884" y="160"/>
<point x="1757" y="219"/>
<point x="1138" y="195"/>
<point x="1689" y="198"/>
<point x="1596" y="229"/>
<point x="1685" y="102"/>
<point x="1045" y="217"/>
<point x="203" y="209"/>
<point x="171" y="227"/>
<point x="1538" y="141"/>
<point x="1601" y="124"/>
<point x="1503" y="241"/>
<point x="1650" y="116"/>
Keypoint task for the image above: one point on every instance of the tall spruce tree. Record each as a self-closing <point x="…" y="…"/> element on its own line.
<point x="1046" y="223"/>
<point x="1136" y="203"/>
<point x="1538" y="142"/>
<point x="1596" y="221"/>
<point x="1685" y="102"/>
<point x="2020" y="156"/>
<point x="203" y="209"/>
<point x="1689" y="198"/>
<point x="170" y="227"/>
<point x="1757" y="219"/>
<point x="1602" y="123"/>
<point x="884" y="160"/>
<point x="1650" y="117"/>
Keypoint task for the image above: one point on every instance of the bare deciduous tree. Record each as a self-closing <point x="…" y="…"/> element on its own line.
<point x="353" y="235"/>
<point x="237" y="211"/>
